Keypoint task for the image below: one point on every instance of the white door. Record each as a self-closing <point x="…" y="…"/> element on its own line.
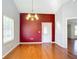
<point x="46" y="32"/>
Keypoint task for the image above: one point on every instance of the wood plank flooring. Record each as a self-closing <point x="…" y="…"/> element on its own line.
<point x="72" y="46"/>
<point x="39" y="51"/>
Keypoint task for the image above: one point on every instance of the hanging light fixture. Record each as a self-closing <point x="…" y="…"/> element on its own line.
<point x="31" y="15"/>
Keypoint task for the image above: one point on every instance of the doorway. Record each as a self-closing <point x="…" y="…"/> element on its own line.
<point x="46" y="32"/>
<point x="72" y="36"/>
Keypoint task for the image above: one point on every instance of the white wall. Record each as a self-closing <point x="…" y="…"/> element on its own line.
<point x="68" y="10"/>
<point x="9" y="9"/>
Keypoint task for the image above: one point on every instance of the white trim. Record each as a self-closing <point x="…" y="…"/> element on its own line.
<point x="61" y="45"/>
<point x="34" y="42"/>
<point x="10" y="50"/>
<point x="71" y="18"/>
<point x="43" y="25"/>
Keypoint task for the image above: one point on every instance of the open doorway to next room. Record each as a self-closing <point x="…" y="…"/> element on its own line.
<point x="72" y="35"/>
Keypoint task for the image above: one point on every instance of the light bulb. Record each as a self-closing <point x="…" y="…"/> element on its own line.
<point x="36" y="17"/>
<point x="32" y="19"/>
<point x="28" y="16"/>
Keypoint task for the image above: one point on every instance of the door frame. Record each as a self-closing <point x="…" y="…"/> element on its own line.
<point x="42" y="35"/>
<point x="67" y="28"/>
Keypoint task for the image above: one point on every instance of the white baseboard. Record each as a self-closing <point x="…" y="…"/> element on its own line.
<point x="9" y="51"/>
<point x="61" y="45"/>
<point x="34" y="42"/>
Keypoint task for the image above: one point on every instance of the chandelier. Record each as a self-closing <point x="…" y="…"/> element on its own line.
<point x="32" y="16"/>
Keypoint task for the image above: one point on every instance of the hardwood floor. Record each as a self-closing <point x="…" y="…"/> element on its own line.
<point x="39" y="51"/>
<point x="72" y="46"/>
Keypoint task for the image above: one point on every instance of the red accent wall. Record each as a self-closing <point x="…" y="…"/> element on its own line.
<point x="29" y="30"/>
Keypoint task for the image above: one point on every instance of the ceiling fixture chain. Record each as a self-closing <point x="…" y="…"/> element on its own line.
<point x="32" y="16"/>
<point x="32" y="5"/>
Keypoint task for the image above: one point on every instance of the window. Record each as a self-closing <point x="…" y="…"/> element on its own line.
<point x="8" y="29"/>
<point x="76" y="30"/>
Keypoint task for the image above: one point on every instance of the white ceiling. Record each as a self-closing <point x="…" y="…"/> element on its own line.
<point x="39" y="6"/>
